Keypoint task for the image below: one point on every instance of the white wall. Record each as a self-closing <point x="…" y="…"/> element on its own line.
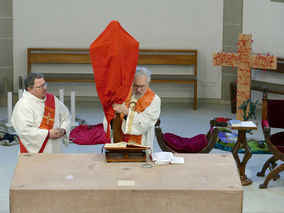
<point x="182" y="24"/>
<point x="264" y="20"/>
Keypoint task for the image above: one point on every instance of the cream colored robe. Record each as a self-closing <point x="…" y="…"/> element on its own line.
<point x="143" y="123"/>
<point x="27" y="117"/>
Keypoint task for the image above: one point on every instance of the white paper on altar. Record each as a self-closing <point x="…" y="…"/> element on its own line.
<point x="166" y="158"/>
<point x="178" y="160"/>
<point x="126" y="183"/>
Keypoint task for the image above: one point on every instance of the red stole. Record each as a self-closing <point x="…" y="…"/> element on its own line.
<point x="142" y="102"/>
<point x="140" y="106"/>
<point x="47" y="121"/>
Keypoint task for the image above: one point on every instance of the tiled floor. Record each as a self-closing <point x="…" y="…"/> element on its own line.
<point x="181" y="119"/>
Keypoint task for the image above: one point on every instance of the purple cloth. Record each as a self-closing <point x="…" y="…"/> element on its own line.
<point x="275" y="115"/>
<point x="264" y="123"/>
<point x="277" y="140"/>
<point x="89" y="135"/>
<point x="185" y="145"/>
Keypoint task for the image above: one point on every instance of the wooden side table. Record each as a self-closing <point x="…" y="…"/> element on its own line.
<point x="242" y="143"/>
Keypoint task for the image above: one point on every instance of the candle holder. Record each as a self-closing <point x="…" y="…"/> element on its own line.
<point x="147" y="164"/>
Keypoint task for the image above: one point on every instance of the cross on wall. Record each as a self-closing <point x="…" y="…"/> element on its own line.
<point x="244" y="60"/>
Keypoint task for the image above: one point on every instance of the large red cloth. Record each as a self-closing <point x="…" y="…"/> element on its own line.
<point x="89" y="135"/>
<point x="114" y="55"/>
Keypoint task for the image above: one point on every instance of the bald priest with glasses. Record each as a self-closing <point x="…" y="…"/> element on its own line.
<point x="41" y="121"/>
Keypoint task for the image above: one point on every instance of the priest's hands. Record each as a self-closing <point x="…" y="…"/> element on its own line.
<point x="120" y="108"/>
<point x="56" y="133"/>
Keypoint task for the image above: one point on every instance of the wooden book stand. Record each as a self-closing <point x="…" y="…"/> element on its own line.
<point x="123" y="154"/>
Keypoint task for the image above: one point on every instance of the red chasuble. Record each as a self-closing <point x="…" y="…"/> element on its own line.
<point x="114" y="56"/>
<point x="47" y="121"/>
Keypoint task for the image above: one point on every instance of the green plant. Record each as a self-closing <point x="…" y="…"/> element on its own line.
<point x="248" y="113"/>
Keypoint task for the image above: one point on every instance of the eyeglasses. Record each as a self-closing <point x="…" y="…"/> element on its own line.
<point x="42" y="86"/>
<point x="139" y="86"/>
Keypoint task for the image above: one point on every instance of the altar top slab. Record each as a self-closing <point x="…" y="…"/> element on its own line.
<point x="91" y="172"/>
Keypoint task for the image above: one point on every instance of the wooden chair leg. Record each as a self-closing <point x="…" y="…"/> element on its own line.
<point x="159" y="137"/>
<point x="233" y="93"/>
<point x="274" y="174"/>
<point x="269" y="163"/>
<point x="212" y="139"/>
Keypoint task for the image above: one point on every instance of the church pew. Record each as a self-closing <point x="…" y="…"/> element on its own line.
<point x="146" y="57"/>
<point x="260" y="85"/>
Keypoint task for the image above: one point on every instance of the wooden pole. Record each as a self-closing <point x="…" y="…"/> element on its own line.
<point x="117" y="133"/>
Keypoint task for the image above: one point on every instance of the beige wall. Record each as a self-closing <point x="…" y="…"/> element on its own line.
<point x="263" y="19"/>
<point x="6" y="48"/>
<point x="268" y="35"/>
<point x="183" y="24"/>
<point x="232" y="26"/>
<point x="40" y="23"/>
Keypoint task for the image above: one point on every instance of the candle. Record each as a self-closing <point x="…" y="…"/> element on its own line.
<point x="20" y="82"/>
<point x="10" y="99"/>
<point x="20" y="94"/>
<point x="73" y="123"/>
<point x="61" y="95"/>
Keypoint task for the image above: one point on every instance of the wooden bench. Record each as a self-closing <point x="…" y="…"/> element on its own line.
<point x="146" y="57"/>
<point x="260" y="85"/>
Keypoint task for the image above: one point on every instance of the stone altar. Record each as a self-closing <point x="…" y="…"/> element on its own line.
<point x="86" y="183"/>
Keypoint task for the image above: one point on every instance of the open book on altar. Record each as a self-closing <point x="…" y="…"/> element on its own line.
<point x="123" y="144"/>
<point x="125" y="152"/>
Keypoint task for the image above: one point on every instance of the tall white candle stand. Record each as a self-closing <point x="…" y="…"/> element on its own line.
<point x="61" y="95"/>
<point x="73" y="122"/>
<point x="20" y="94"/>
<point x="10" y="100"/>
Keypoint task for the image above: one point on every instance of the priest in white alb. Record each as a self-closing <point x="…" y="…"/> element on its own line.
<point x="140" y="111"/>
<point x="41" y="121"/>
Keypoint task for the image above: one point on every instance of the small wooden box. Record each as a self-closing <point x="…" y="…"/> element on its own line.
<point x="127" y="154"/>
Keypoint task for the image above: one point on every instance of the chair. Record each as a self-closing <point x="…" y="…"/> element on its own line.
<point x="272" y="117"/>
<point x="201" y="143"/>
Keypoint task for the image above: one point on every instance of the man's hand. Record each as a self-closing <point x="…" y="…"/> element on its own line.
<point x="120" y="108"/>
<point x="56" y="133"/>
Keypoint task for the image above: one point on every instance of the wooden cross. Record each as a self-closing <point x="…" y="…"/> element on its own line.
<point x="48" y="118"/>
<point x="244" y="60"/>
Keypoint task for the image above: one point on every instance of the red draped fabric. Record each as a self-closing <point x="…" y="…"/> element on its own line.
<point x="114" y="56"/>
